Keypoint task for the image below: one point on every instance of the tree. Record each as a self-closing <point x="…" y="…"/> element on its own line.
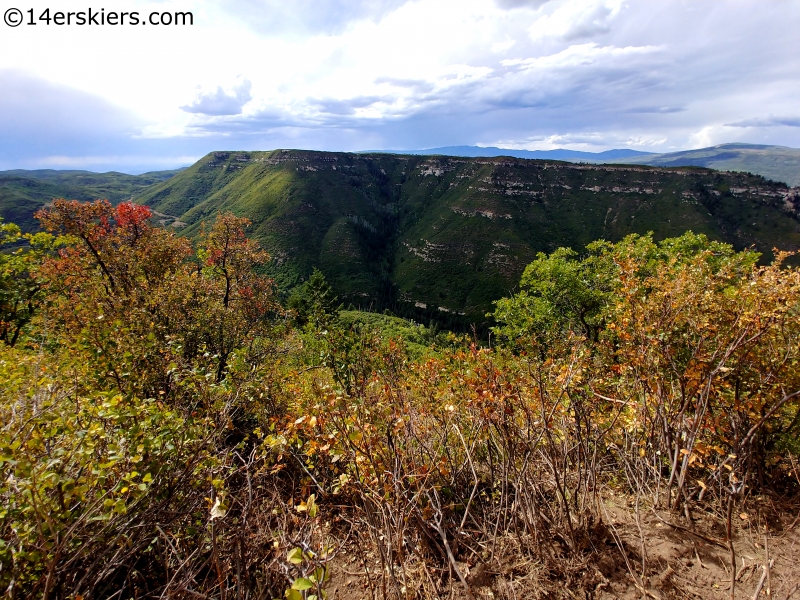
<point x="129" y="293"/>
<point x="238" y="302"/>
<point x="559" y="293"/>
<point x="565" y="292"/>
<point x="315" y="301"/>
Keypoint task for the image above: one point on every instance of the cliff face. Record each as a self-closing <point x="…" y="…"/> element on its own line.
<point x="449" y="235"/>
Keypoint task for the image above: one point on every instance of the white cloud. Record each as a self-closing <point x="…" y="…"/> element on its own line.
<point x="512" y="4"/>
<point x="578" y="55"/>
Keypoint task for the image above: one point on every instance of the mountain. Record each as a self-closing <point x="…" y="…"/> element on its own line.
<point x="490" y="151"/>
<point x="23" y="192"/>
<point x="436" y="236"/>
<point x="778" y="163"/>
<point x="774" y="162"/>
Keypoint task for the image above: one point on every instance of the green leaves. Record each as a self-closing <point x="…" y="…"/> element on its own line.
<point x="301" y="584"/>
<point x="314" y="302"/>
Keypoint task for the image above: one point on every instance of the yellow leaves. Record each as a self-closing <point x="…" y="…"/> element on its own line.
<point x="295" y="556"/>
<point x="309" y="506"/>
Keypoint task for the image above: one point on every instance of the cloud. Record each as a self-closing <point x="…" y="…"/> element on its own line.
<point x="659" y="110"/>
<point x="220" y="101"/>
<point x="417" y="85"/>
<point x="512" y="4"/>
<point x="578" y="55"/>
<point x="37" y="116"/>
<point x="564" y="91"/>
<point x="355" y="74"/>
<point x="767" y="122"/>
<point x="577" y="20"/>
<point x="49" y="125"/>
<point x="308" y="17"/>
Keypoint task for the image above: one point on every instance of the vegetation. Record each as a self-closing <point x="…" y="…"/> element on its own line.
<point x="168" y="429"/>
<point x="441" y="238"/>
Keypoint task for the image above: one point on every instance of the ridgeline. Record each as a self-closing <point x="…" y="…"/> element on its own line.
<point x="442" y="237"/>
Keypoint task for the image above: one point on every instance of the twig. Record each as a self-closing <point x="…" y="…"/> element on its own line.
<point x="637" y="580"/>
<point x="729" y="536"/>
<point x="438" y="524"/>
<point x="791" y="592"/>
<point x="761" y="581"/>
<point x="767" y="564"/>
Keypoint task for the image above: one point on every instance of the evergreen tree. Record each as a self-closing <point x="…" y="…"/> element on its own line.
<point x="315" y="301"/>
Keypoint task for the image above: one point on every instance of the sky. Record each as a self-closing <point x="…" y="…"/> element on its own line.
<point x="351" y="75"/>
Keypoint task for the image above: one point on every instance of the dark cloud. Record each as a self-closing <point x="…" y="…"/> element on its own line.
<point x="661" y="110"/>
<point x="38" y="117"/>
<point x="767" y="122"/>
<point x="221" y="102"/>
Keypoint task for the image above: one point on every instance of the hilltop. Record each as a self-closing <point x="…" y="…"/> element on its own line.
<point x="439" y="236"/>
<point x="778" y="163"/>
<point x="773" y="162"/>
<point x="557" y="154"/>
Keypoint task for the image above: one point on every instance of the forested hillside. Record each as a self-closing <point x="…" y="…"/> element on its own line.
<point x="443" y="235"/>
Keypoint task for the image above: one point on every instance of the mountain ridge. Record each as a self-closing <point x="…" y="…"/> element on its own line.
<point x="780" y="163"/>
<point x="492" y="151"/>
<point x="448" y="235"/>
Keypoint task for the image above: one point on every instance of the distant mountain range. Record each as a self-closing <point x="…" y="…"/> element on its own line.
<point x="778" y="163"/>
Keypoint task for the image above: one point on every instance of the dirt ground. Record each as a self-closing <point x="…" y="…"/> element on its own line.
<point x="655" y="556"/>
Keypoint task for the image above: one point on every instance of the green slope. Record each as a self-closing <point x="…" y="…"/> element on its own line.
<point x="22" y="192"/>
<point x="778" y="163"/>
<point x="443" y="235"/>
